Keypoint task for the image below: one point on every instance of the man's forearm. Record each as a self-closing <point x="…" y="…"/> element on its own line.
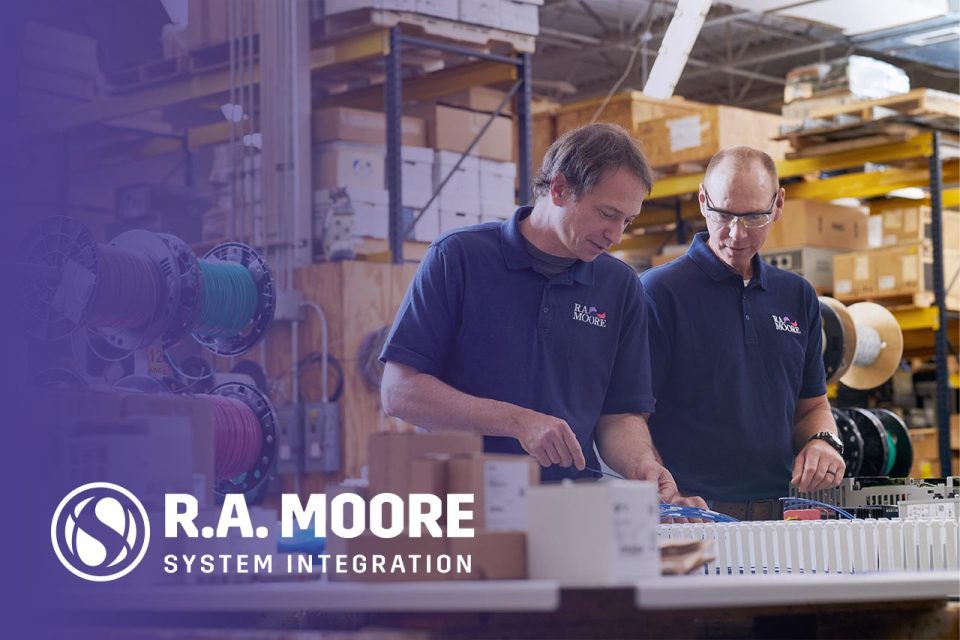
<point x="811" y="420"/>
<point x="624" y="441"/>
<point x="425" y="401"/>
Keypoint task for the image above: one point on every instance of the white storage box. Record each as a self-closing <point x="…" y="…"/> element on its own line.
<point x="453" y="219"/>
<point x="520" y="17"/>
<point x="593" y="533"/>
<point x="449" y="9"/>
<point x="497" y="180"/>
<point x="462" y="191"/>
<point x="483" y="12"/>
<point x="417" y="176"/>
<point x="341" y="6"/>
<point x="348" y="164"/>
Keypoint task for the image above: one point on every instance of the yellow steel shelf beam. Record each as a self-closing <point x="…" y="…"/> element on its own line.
<point x="951" y="198"/>
<point x="914" y="319"/>
<point x="347" y="50"/>
<point x="867" y="185"/>
<point x="920" y="146"/>
<point x="429" y="86"/>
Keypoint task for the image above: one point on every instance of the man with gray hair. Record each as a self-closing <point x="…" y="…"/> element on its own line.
<point x="528" y="332"/>
<point x="736" y="356"/>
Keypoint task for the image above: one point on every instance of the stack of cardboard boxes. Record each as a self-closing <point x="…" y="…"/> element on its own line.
<point x="350" y="152"/>
<point x="899" y="261"/>
<point x="58" y="72"/>
<point x="810" y="234"/>
<point x="444" y="463"/>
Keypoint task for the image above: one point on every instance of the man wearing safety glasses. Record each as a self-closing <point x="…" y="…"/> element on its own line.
<point x="736" y="355"/>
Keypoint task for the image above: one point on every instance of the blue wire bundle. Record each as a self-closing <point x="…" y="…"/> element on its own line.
<point x="229" y="299"/>
<point x="682" y="511"/>
<point x="790" y="503"/>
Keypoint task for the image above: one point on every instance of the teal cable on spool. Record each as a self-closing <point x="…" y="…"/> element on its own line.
<point x="229" y="299"/>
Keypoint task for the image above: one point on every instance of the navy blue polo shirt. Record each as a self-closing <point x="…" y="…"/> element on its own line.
<point x="479" y="318"/>
<point x="729" y="363"/>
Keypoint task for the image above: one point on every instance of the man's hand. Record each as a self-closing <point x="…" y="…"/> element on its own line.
<point x="550" y="440"/>
<point x="650" y="469"/>
<point x="817" y="466"/>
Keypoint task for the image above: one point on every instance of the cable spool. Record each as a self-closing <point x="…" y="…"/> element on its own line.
<point x="898" y="440"/>
<point x="245" y="437"/>
<point x="238" y="299"/>
<point x="876" y="447"/>
<point x="862" y="343"/>
<point x="143" y="287"/>
<point x="852" y="443"/>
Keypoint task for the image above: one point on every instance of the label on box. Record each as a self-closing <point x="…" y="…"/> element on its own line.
<point x="505" y="493"/>
<point x="886" y="283"/>
<point x="908" y="268"/>
<point x="631" y="529"/>
<point x="843" y="286"/>
<point x="861" y="268"/>
<point x="875" y="231"/>
<point x="684" y="132"/>
<point x="939" y="510"/>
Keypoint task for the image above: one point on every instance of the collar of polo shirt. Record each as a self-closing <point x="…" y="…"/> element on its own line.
<point x="517" y="257"/>
<point x="714" y="267"/>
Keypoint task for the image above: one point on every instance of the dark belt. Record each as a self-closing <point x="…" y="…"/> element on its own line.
<point x="750" y="510"/>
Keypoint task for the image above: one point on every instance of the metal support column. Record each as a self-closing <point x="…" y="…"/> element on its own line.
<point x="681" y="225"/>
<point x="943" y="381"/>
<point x="393" y="99"/>
<point x="525" y="170"/>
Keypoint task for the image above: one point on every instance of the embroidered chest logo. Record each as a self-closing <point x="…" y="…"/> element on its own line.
<point x="786" y="324"/>
<point x="590" y="315"/>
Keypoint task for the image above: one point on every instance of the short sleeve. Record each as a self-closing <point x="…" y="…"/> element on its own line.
<point x="814" y="377"/>
<point x="630" y="384"/>
<point x="423" y="333"/>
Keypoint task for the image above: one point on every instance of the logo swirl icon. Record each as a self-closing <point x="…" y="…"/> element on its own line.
<point x="100" y="531"/>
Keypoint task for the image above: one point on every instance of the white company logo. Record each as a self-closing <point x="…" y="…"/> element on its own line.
<point x="786" y="324"/>
<point x="590" y="315"/>
<point x="100" y="531"/>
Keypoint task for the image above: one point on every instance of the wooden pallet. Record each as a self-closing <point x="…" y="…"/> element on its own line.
<point x="462" y="33"/>
<point x="914" y="111"/>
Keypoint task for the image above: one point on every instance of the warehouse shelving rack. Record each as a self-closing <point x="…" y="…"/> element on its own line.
<point x="917" y="324"/>
<point x="384" y="39"/>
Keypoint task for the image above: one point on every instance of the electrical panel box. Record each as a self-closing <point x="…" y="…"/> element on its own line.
<point x="321" y="437"/>
<point x="290" y="439"/>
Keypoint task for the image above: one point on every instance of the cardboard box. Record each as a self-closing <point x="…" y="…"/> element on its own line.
<point x="627" y="109"/>
<point x="462" y="190"/>
<point x="809" y="223"/>
<point x="668" y="253"/>
<point x="449" y="9"/>
<point x="369" y="545"/>
<point x="360" y="125"/>
<point x="698" y="136"/>
<point x="482" y="12"/>
<point x="955" y="431"/>
<point x="853" y="276"/>
<point x="520" y="17"/>
<point x="498" y="186"/>
<point x="495" y="555"/>
<point x="348" y="164"/>
<point x="544" y="134"/>
<point x="812" y="263"/>
<point x="926" y="460"/>
<point x="390" y="455"/>
<point x="484" y="99"/>
<point x="208" y="23"/>
<point x="910" y="225"/>
<point x="500" y="484"/>
<point x="453" y="129"/>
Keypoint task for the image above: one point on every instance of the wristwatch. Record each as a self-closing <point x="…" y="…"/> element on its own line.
<point x="830" y="439"/>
